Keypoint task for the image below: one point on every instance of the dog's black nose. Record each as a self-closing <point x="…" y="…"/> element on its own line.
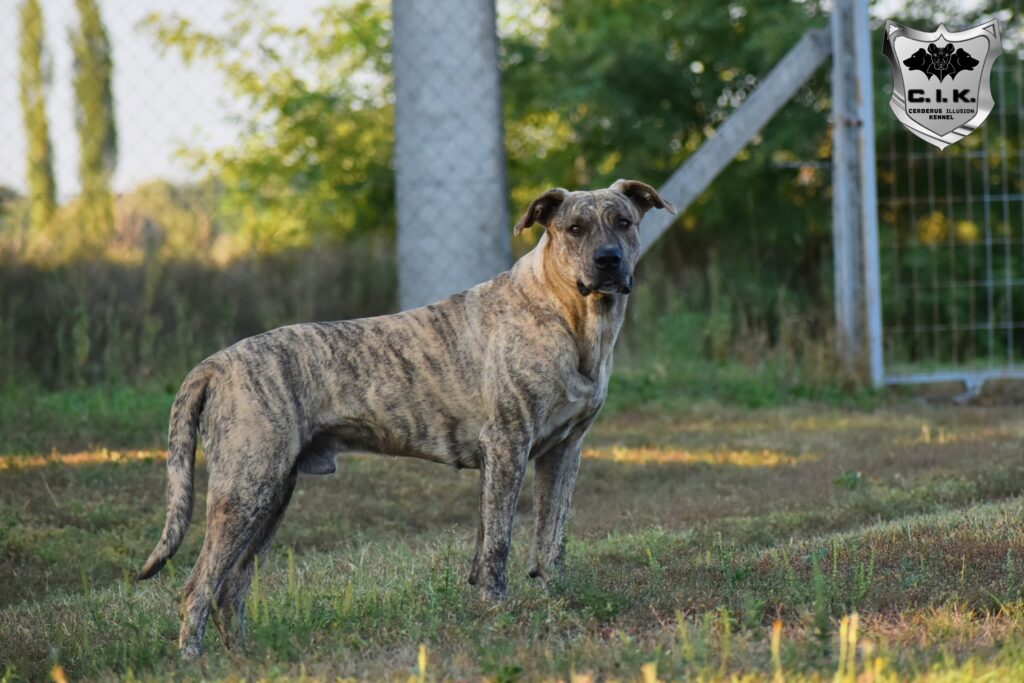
<point x="608" y="258"/>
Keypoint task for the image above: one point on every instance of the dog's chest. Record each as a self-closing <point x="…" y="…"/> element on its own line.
<point x="575" y="410"/>
<point x="567" y="416"/>
<point x="584" y="399"/>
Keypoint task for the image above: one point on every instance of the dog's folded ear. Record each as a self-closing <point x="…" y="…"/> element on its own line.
<point x="643" y="196"/>
<point x="542" y="209"/>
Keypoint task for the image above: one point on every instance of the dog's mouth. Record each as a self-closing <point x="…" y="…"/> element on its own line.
<point x="611" y="285"/>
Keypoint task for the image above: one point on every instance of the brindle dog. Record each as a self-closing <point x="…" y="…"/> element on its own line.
<point x="512" y="370"/>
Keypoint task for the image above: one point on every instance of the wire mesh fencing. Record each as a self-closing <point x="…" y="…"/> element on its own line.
<point x="453" y="227"/>
<point x="97" y="112"/>
<point x="256" y="126"/>
<point x="951" y="226"/>
<point x="174" y="177"/>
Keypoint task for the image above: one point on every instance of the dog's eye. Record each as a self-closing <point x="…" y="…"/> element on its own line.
<point x="625" y="223"/>
<point x="574" y="230"/>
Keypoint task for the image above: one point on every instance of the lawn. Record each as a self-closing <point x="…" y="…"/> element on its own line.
<point x="708" y="542"/>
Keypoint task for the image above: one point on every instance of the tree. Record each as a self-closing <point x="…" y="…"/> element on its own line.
<point x="34" y="80"/>
<point x="313" y="159"/>
<point x="582" y="113"/>
<point x="594" y="90"/>
<point x="94" y="120"/>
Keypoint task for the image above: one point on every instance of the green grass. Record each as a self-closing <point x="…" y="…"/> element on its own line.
<point x="695" y="528"/>
<point x="33" y="420"/>
<point x="679" y="384"/>
<point x="675" y="356"/>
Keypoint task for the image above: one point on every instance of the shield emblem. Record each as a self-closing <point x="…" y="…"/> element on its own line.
<point x="940" y="89"/>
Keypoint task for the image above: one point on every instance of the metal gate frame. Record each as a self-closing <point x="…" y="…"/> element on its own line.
<point x="859" y="305"/>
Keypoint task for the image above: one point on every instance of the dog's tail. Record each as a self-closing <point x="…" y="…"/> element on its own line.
<point x="181" y="465"/>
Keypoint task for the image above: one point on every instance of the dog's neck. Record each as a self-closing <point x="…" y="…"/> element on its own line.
<point x="594" y="319"/>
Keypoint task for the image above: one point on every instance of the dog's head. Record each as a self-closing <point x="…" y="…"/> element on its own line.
<point x="595" y="235"/>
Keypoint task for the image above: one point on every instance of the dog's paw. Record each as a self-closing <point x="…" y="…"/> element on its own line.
<point x="494" y="594"/>
<point x="191" y="652"/>
<point x="551" y="577"/>
<point x="549" y="572"/>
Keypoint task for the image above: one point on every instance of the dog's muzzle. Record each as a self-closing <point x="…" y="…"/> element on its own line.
<point x="619" y="284"/>
<point x="609" y="275"/>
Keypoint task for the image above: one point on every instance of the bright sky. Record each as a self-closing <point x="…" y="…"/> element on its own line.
<point x="159" y="103"/>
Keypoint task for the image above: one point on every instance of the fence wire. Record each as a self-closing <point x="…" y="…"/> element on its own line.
<point x="132" y="262"/>
<point x="453" y="226"/>
<point x="114" y="97"/>
<point x="951" y="227"/>
<point x="157" y="105"/>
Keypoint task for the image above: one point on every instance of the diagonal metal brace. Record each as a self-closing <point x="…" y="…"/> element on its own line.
<point x="703" y="166"/>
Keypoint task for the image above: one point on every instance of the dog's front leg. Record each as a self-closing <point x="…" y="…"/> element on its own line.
<point x="555" y="477"/>
<point x="474" y="572"/>
<point x="503" y="467"/>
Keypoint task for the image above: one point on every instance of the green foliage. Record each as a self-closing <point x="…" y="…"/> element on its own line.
<point x="34" y="80"/>
<point x="850" y="479"/>
<point x="581" y="114"/>
<point x="314" y="155"/>
<point x="672" y="354"/>
<point x="79" y="418"/>
<point x="746" y="278"/>
<point x="149" y="318"/>
<point x="315" y="151"/>
<point x="97" y="131"/>
<point x="643" y="107"/>
<point x="167" y="222"/>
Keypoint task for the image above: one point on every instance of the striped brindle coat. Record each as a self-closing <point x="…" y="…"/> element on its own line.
<point x="512" y="370"/>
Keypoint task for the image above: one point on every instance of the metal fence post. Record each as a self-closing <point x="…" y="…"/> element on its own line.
<point x="695" y="175"/>
<point x="869" y="197"/>
<point x="845" y="185"/>
<point x="453" y="219"/>
<point x="854" y="194"/>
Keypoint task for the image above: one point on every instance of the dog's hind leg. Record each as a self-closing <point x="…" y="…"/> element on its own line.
<point x="229" y="610"/>
<point x="240" y="504"/>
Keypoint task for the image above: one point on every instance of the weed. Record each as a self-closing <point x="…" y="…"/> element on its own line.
<point x="851" y="480"/>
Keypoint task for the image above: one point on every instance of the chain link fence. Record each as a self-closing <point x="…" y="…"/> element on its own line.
<point x="89" y="85"/>
<point x="143" y="222"/>
<point x="453" y="221"/>
<point x="119" y="97"/>
<point x="381" y="122"/>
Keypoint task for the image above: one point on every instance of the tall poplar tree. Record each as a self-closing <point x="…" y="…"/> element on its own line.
<point x="34" y="80"/>
<point x="94" y="120"/>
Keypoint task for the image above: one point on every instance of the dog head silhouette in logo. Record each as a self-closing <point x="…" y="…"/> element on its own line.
<point x="941" y="61"/>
